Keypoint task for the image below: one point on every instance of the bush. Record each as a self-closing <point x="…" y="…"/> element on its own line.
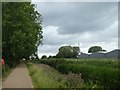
<point x="73" y="80"/>
<point x="53" y="62"/>
<point x="44" y="57"/>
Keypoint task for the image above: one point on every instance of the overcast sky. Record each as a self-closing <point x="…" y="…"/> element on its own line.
<point x="70" y="23"/>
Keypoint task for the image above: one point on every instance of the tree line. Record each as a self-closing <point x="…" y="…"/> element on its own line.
<point x="21" y="31"/>
<point x="72" y="52"/>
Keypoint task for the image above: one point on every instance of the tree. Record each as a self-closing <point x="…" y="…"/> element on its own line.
<point x="22" y="30"/>
<point x="67" y="52"/>
<point x="44" y="57"/>
<point x="104" y="50"/>
<point x="53" y="56"/>
<point x="76" y="51"/>
<point x="50" y="57"/>
<point x="95" y="49"/>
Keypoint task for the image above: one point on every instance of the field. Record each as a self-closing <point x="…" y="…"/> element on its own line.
<point x="101" y="72"/>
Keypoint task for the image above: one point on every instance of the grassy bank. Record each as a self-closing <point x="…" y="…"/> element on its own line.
<point x="43" y="76"/>
<point x="6" y="70"/>
<point x="104" y="72"/>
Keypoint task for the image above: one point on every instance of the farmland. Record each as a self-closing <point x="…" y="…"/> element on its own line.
<point x="101" y="72"/>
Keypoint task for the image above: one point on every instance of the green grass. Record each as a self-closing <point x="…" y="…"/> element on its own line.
<point x="105" y="72"/>
<point x="41" y="78"/>
<point x="47" y="77"/>
<point x="112" y="63"/>
<point x="6" y="70"/>
<point x="106" y="76"/>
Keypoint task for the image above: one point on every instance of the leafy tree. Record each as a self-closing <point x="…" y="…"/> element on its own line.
<point x="50" y="57"/>
<point x="76" y="51"/>
<point x="95" y="49"/>
<point x="53" y="56"/>
<point x="34" y="56"/>
<point x="104" y="50"/>
<point x="21" y="30"/>
<point x="44" y="57"/>
<point x="67" y="52"/>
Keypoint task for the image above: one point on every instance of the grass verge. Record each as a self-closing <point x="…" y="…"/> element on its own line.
<point x="103" y="72"/>
<point x="41" y="78"/>
<point x="44" y="76"/>
<point x="6" y="70"/>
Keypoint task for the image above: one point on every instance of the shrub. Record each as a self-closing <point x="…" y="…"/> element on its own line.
<point x="73" y="80"/>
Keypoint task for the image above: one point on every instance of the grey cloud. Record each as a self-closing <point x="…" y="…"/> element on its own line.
<point x="48" y="49"/>
<point x="72" y="23"/>
<point x="79" y="17"/>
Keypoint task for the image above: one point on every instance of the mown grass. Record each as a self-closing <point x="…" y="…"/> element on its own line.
<point x="104" y="72"/>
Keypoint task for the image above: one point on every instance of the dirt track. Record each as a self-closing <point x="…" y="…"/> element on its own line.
<point x="19" y="78"/>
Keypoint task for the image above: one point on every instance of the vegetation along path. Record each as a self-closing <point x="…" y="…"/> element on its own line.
<point x="19" y="78"/>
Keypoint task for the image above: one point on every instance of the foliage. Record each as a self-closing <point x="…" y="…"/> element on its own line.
<point x="103" y="72"/>
<point x="51" y="62"/>
<point x="73" y="80"/>
<point x="111" y="63"/>
<point x="67" y="52"/>
<point x="6" y="70"/>
<point x="95" y="49"/>
<point x="76" y="51"/>
<point x="21" y="32"/>
<point x="50" y="57"/>
<point x="41" y="78"/>
<point x="107" y="77"/>
<point x="44" y="57"/>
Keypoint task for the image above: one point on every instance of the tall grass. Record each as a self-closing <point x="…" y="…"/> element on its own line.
<point x="44" y="76"/>
<point x="109" y="77"/>
<point x="6" y="70"/>
<point x="113" y="63"/>
<point x="41" y="79"/>
<point x="102" y="71"/>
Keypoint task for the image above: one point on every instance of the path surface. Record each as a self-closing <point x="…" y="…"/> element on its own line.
<point x="19" y="78"/>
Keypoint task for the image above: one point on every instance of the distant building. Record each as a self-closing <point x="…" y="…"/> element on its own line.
<point x="113" y="54"/>
<point x="97" y="55"/>
<point x="83" y="55"/>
